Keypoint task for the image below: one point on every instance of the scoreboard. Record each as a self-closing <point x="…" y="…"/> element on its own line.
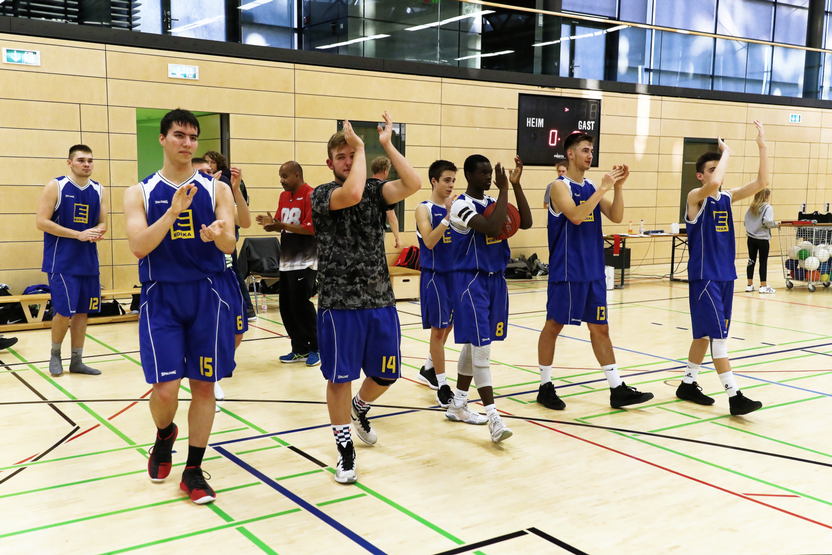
<point x="543" y="122"/>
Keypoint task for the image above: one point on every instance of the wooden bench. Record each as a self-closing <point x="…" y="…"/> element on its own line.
<point x="405" y="282"/>
<point x="36" y="322"/>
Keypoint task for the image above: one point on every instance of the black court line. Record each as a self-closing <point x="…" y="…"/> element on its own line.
<point x="557" y="542"/>
<point x="484" y="543"/>
<point x="39" y="457"/>
<point x="308" y="456"/>
<point x="38" y="394"/>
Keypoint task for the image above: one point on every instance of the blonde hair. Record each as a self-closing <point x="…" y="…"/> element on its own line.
<point x="758" y="201"/>
<point x="380" y="165"/>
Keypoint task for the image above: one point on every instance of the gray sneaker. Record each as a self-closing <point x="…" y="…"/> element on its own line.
<point x="499" y="430"/>
<point x="459" y="412"/>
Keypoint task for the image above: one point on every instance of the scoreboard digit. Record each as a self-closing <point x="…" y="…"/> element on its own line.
<point x="543" y="122"/>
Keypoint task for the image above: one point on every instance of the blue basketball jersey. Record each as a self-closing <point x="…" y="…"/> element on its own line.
<point x="182" y="255"/>
<point x="472" y="250"/>
<point x="77" y="208"/>
<point x="711" y="241"/>
<point x="441" y="257"/>
<point x="576" y="252"/>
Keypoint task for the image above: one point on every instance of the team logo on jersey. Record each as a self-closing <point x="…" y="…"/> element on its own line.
<point x="591" y="217"/>
<point x="492" y="240"/>
<point x="446" y="238"/>
<point x="82" y="214"/>
<point x="721" y="219"/>
<point x="183" y="227"/>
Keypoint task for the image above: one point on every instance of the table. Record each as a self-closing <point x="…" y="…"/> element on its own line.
<point x="678" y="239"/>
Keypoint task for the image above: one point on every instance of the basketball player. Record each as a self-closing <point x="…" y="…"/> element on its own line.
<point x="358" y="326"/>
<point x="480" y="290"/>
<point x="298" y="264"/>
<point x="73" y="217"/>
<point x="180" y="226"/>
<point x="561" y="168"/>
<point x="433" y="229"/>
<point x="577" y="292"/>
<point x="711" y="271"/>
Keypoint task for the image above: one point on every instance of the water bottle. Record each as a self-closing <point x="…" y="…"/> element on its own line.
<point x="264" y="306"/>
<point x="641" y="228"/>
<point x="630" y="229"/>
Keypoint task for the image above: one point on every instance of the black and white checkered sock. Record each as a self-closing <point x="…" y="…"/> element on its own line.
<point x="359" y="404"/>
<point x="342" y="434"/>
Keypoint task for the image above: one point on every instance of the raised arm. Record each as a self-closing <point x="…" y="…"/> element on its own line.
<point x="353" y="188"/>
<point x="763" y="172"/>
<point x="614" y="209"/>
<point x="46" y="208"/>
<point x="519" y="195"/>
<point x="143" y="239"/>
<point x="409" y="181"/>
<point x="562" y="197"/>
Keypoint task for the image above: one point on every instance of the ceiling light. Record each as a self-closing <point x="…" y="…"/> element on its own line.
<point x="353" y="41"/>
<point x="450" y="20"/>
<point x="486" y="55"/>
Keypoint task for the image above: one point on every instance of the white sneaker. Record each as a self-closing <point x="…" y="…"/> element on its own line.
<point x="459" y="412"/>
<point x="219" y="394"/>
<point x="749" y="288"/>
<point x="345" y="469"/>
<point x="499" y="430"/>
<point x="766" y="289"/>
<point x="362" y="427"/>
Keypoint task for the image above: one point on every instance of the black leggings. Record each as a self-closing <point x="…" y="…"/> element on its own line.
<point x="755" y="245"/>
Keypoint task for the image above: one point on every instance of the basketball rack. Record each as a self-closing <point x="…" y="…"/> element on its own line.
<point x="805" y="251"/>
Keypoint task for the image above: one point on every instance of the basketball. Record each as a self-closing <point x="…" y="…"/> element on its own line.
<point x="791" y="264"/>
<point x="822" y="254"/>
<point x="813" y="276"/>
<point x="512" y="223"/>
<point x="811" y="263"/>
<point x="803" y="254"/>
<point x="793" y="251"/>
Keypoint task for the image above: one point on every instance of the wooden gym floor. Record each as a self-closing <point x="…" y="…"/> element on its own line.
<point x="666" y="477"/>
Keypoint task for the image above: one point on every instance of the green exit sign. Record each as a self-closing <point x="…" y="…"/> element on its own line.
<point x="21" y="57"/>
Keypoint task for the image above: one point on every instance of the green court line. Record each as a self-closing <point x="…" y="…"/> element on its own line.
<point x="726" y="469"/>
<point x="332" y="502"/>
<point x="272" y="321"/>
<point x="774" y="440"/>
<point x="103" y="421"/>
<point x="131" y="359"/>
<point x="680" y="413"/>
<point x="112" y="513"/>
<point x="105" y="451"/>
<point x="519" y="401"/>
<point x="316" y="471"/>
<point x="257" y="541"/>
<point x="236" y="524"/>
<point x="260" y="449"/>
<point x="87" y="481"/>
<point x="222" y="514"/>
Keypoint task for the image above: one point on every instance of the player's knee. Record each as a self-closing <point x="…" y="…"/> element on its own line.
<point x="719" y="348"/>
<point x="481" y="355"/>
<point x="437" y="334"/>
<point x="200" y="388"/>
<point x="166" y="392"/>
<point x="482" y="376"/>
<point x="382" y="382"/>
<point x="598" y="331"/>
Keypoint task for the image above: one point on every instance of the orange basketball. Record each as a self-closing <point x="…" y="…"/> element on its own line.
<point x="512" y="223"/>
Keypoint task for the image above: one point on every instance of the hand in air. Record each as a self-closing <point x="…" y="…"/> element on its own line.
<point x="722" y="146"/>
<point x="236" y="178"/>
<point x="211" y="232"/>
<point x="514" y="177"/>
<point x="352" y="139"/>
<point x="448" y="203"/>
<point x="626" y="173"/>
<point x="500" y="179"/>
<point x="386" y="135"/>
<point x="611" y="178"/>
<point x="182" y="198"/>
<point x="761" y="133"/>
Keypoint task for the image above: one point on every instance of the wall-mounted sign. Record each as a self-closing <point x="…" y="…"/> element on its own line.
<point x="176" y="71"/>
<point x="21" y="57"/>
<point x="795" y="118"/>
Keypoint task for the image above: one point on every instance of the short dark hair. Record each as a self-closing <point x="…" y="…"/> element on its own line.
<point x="181" y="117"/>
<point x="564" y="163"/>
<point x="576" y="138"/>
<point x="336" y="142"/>
<point x="195" y="161"/>
<point x="219" y="159"/>
<point x="293" y="166"/>
<point x="473" y="161"/>
<point x="78" y="148"/>
<point x="439" y="167"/>
<point x="705" y="158"/>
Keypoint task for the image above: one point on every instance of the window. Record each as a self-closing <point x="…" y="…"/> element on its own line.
<point x="693" y="15"/>
<point x="268" y="23"/>
<point x="199" y="19"/>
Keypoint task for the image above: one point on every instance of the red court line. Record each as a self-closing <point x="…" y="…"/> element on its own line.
<point x="740" y="495"/>
<point x="27" y="459"/>
<point x="110" y="418"/>
<point x="268" y="330"/>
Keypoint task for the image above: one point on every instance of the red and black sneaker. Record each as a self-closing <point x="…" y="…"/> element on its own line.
<point x="194" y="484"/>
<point x="160" y="460"/>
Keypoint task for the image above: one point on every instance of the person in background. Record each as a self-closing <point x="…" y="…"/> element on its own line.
<point x="561" y="168"/>
<point x="380" y="168"/>
<point x="759" y="221"/>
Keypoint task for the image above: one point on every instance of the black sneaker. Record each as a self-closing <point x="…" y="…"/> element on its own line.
<point x="693" y="392"/>
<point x="5" y="343"/>
<point x="251" y="314"/>
<point x="444" y="396"/>
<point x="345" y="469"/>
<point x="740" y="404"/>
<point x="428" y="377"/>
<point x="160" y="460"/>
<point x="624" y="395"/>
<point x="548" y="397"/>
<point x="194" y="484"/>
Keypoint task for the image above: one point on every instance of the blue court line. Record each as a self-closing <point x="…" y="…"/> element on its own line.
<point x="300" y="502"/>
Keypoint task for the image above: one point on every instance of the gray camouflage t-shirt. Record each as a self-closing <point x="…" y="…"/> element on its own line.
<point x="352" y="264"/>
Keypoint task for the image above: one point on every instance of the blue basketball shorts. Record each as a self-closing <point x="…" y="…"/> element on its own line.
<point x="368" y="338"/>
<point x="436" y="297"/>
<point x="480" y="307"/>
<point x="572" y="302"/>
<point x="75" y="294"/>
<point x="238" y="305"/>
<point x="185" y="329"/>
<point x="711" y="303"/>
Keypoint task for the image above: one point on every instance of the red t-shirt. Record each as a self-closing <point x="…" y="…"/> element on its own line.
<point x="297" y="252"/>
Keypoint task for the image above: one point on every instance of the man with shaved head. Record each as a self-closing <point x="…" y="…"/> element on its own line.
<point x="298" y="264"/>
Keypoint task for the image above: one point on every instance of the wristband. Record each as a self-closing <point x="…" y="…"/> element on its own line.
<point x="445" y="222"/>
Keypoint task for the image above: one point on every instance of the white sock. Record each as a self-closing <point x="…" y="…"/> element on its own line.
<point x="441" y="380"/>
<point x="611" y="373"/>
<point x="491" y="410"/>
<point x="460" y="396"/>
<point x="428" y="363"/>
<point x="730" y="383"/>
<point x="691" y="373"/>
<point x="545" y="374"/>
